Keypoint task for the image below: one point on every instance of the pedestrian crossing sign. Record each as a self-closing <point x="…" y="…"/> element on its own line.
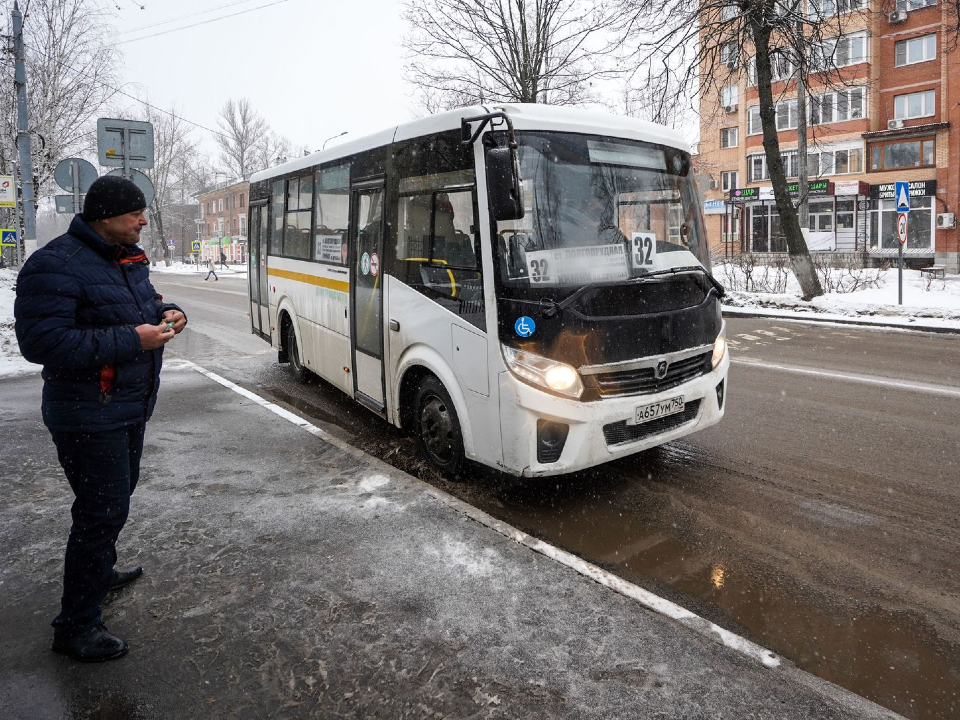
<point x="8" y="238"/>
<point x="195" y="245"/>
<point x="903" y="196"/>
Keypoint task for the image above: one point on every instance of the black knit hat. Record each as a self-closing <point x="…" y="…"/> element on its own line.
<point x="112" y="195"/>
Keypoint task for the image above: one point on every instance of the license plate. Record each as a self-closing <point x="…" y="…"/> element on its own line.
<point x="646" y="413"/>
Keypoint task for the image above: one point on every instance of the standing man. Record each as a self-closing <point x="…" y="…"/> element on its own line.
<point x="87" y="312"/>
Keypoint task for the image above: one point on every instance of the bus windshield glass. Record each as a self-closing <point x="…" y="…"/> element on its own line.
<point x="599" y="211"/>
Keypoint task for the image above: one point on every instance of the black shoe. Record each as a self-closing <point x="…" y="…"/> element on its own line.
<point x="94" y="645"/>
<point x="122" y="578"/>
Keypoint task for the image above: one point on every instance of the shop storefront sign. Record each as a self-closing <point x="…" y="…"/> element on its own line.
<point x="851" y="187"/>
<point x="739" y="195"/>
<point x="918" y="188"/>
<point x="714" y="207"/>
<point x="814" y="187"/>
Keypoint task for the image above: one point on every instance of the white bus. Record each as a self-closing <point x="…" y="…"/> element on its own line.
<point x="524" y="286"/>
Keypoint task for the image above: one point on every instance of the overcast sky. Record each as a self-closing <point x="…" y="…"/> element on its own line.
<point x="312" y="68"/>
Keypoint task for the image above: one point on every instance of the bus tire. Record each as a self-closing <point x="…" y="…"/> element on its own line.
<point x="300" y="372"/>
<point x="438" y="429"/>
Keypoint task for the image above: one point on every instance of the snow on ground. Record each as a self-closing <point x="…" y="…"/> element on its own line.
<point x="181" y="268"/>
<point x="933" y="303"/>
<point x="11" y="362"/>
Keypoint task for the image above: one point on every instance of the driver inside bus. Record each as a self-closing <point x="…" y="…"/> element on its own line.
<point x="592" y="221"/>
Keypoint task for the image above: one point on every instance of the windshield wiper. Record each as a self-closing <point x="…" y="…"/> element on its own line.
<point x="682" y="269"/>
<point x="555" y="307"/>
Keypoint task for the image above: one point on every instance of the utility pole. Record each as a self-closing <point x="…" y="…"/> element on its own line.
<point x="803" y="186"/>
<point x="23" y="138"/>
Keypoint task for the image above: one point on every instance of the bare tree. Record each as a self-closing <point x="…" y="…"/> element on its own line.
<point x="241" y="130"/>
<point x="271" y="149"/>
<point x="712" y="42"/>
<point x="173" y="149"/>
<point x="534" y="51"/>
<point x="71" y="74"/>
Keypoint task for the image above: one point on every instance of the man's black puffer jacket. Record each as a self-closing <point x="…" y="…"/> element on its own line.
<point x="79" y="299"/>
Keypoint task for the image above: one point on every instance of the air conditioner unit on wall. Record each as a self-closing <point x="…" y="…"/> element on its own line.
<point x="730" y="108"/>
<point x="731" y="64"/>
<point x="896" y="17"/>
<point x="713" y="184"/>
<point x="945" y="221"/>
<point x="894" y="124"/>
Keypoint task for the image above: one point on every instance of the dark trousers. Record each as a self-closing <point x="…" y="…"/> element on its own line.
<point x="103" y="469"/>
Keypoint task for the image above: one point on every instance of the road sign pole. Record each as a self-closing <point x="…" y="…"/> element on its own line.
<point x="900" y="278"/>
<point x="75" y="173"/>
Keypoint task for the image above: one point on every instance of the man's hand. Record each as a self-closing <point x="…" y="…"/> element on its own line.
<point x="154" y="336"/>
<point x="178" y="319"/>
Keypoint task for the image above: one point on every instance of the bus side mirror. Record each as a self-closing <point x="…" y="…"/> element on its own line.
<point x="504" y="186"/>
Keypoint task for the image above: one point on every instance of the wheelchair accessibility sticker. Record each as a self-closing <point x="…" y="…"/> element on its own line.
<point x="525" y="326"/>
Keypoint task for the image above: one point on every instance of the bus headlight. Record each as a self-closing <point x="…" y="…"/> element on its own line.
<point x="720" y="346"/>
<point x="550" y="374"/>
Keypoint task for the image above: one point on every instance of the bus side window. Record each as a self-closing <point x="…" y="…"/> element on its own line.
<point x="436" y="251"/>
<point x="331" y="214"/>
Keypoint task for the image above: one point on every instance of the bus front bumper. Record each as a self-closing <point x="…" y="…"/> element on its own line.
<point x="535" y="424"/>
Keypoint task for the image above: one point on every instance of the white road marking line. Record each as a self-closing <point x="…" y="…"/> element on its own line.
<point x="647" y="599"/>
<point x="889" y="383"/>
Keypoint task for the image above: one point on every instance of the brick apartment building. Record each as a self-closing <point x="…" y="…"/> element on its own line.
<point x="896" y="117"/>
<point x="223" y="221"/>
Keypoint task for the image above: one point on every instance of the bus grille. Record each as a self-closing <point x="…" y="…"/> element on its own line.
<point x="619" y="433"/>
<point x="642" y="380"/>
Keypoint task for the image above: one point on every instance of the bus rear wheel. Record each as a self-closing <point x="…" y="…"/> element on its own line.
<point x="293" y="353"/>
<point x="438" y="429"/>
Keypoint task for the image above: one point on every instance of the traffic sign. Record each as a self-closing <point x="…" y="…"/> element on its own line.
<point x="8" y="238"/>
<point x="86" y="173"/>
<point x="141" y="181"/>
<point x="124" y="140"/>
<point x="68" y="204"/>
<point x="902" y="194"/>
<point x="902" y="227"/>
<point x="195" y="246"/>
<point x="171" y="242"/>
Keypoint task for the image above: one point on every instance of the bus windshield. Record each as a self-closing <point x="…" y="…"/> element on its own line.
<point x="599" y="211"/>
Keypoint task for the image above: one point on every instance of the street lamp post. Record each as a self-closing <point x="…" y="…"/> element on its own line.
<point x="199" y="222"/>
<point x="324" y="147"/>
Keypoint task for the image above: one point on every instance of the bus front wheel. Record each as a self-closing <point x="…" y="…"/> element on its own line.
<point x="293" y="353"/>
<point x="438" y="430"/>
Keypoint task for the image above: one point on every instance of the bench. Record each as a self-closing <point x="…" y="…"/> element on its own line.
<point x="934" y="271"/>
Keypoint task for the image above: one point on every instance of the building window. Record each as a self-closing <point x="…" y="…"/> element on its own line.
<point x="782" y="67"/>
<point x="753" y="120"/>
<point x="914" y="105"/>
<point x="826" y="8"/>
<point x="728" y="95"/>
<point x="845" y="215"/>
<point x="915" y="50"/>
<point x="728" y="54"/>
<point x="728" y="180"/>
<point x="241" y="199"/>
<point x="829" y="161"/>
<point x="786" y="117"/>
<point x="839" y="106"/>
<point x="728" y="137"/>
<point x="220" y="205"/>
<point x="908" y="5"/>
<point x="729" y="12"/>
<point x="840" y="52"/>
<point x="901" y="154"/>
<point x="757" y="166"/>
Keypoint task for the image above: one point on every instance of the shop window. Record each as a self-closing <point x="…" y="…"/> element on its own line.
<point x="845" y="214"/>
<point x="883" y="225"/>
<point x="901" y="154"/>
<point x="821" y="215"/>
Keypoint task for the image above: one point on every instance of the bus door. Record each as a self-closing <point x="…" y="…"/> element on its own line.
<point x="257" y="275"/>
<point x="366" y="293"/>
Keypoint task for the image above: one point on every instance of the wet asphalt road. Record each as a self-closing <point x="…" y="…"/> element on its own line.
<point x="819" y="518"/>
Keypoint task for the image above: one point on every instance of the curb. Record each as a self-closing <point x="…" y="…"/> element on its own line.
<point x="733" y="312"/>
